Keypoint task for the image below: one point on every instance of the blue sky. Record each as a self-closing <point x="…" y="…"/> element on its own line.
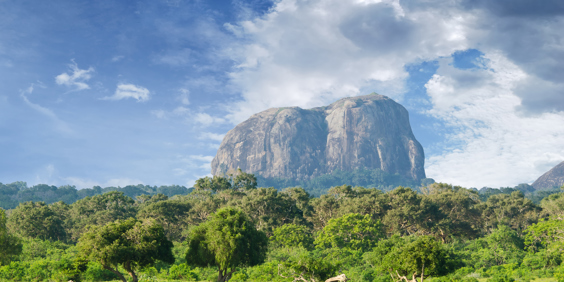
<point x="128" y="92"/>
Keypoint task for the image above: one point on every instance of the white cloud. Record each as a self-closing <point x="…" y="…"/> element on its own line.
<point x="212" y="136"/>
<point x="493" y="144"/>
<point x="312" y="53"/>
<point x="59" y="124"/>
<point x="161" y="114"/>
<point x="121" y="182"/>
<point x="207" y="120"/>
<point x="175" y="58"/>
<point x="125" y="91"/>
<point x="183" y="97"/>
<point x="77" y="79"/>
<point x="117" y="58"/>
<point x="81" y="183"/>
<point x="201" y="158"/>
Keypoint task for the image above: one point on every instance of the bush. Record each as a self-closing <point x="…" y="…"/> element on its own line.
<point x="95" y="272"/>
<point x="182" y="272"/>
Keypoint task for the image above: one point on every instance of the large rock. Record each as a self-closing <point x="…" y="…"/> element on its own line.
<point x="371" y="132"/>
<point x="552" y="178"/>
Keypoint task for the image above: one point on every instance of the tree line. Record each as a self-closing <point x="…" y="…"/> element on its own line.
<point x="227" y="229"/>
<point x="12" y="194"/>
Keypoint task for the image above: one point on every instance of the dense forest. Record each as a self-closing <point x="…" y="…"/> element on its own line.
<point x="227" y="229"/>
<point x="369" y="178"/>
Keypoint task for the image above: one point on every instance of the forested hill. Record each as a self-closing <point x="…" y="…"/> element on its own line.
<point x="17" y="192"/>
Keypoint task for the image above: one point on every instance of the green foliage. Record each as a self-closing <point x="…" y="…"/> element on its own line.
<point x="512" y="210"/>
<point x="553" y="205"/>
<point x="182" y="272"/>
<point x="545" y="243"/>
<point x="502" y="246"/>
<point x="15" y="193"/>
<point x="352" y="231"/>
<point x="99" y="210"/>
<point x="406" y="256"/>
<point x="244" y="181"/>
<point x="442" y="225"/>
<point x="269" y="209"/>
<point x="228" y="240"/>
<point x="307" y="267"/>
<point x="10" y="246"/>
<point x="215" y="183"/>
<point x="128" y="243"/>
<point x="318" y="186"/>
<point x="37" y="220"/>
<point x="170" y="214"/>
<point x="291" y="235"/>
<point x="458" y="213"/>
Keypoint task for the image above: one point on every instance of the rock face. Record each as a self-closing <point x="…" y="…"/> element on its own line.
<point x="371" y="132"/>
<point x="552" y="178"/>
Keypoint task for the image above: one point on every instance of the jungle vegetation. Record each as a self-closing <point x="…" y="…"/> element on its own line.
<point x="228" y="229"/>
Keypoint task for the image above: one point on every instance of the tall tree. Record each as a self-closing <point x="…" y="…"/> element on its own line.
<point x="129" y="243"/>
<point x="412" y="256"/>
<point x="215" y="183"/>
<point x="37" y="220"/>
<point x="228" y="239"/>
<point x="460" y="215"/>
<point x="352" y="231"/>
<point x="99" y="210"/>
<point x="10" y="245"/>
<point x="171" y="214"/>
<point x="292" y="235"/>
<point x="244" y="181"/>
<point x="269" y="209"/>
<point x="513" y="210"/>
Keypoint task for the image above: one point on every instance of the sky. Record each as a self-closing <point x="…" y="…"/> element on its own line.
<point x="113" y="93"/>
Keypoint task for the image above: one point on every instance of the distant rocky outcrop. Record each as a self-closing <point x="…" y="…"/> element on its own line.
<point x="552" y="178"/>
<point x="371" y="132"/>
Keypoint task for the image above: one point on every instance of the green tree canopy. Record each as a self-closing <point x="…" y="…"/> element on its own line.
<point x="352" y="231"/>
<point x="37" y="220"/>
<point x="228" y="239"/>
<point x="10" y="245"/>
<point x="512" y="210"/>
<point x="215" y="183"/>
<point x="269" y="209"/>
<point x="244" y="181"/>
<point x="291" y="235"/>
<point x="459" y="215"/>
<point x="171" y="214"/>
<point x="412" y="256"/>
<point x="100" y="210"/>
<point x="127" y="243"/>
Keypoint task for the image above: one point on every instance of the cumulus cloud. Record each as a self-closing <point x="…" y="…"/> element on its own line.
<point x="503" y="117"/>
<point x="312" y="53"/>
<point x="125" y="91"/>
<point x="491" y="142"/>
<point x="529" y="34"/>
<point x="76" y="78"/>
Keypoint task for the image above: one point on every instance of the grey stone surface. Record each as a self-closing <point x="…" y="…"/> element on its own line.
<point x="369" y="132"/>
<point x="552" y="178"/>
